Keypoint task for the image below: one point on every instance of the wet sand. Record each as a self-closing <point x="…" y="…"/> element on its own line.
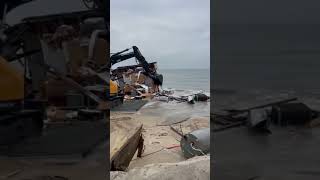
<point x="161" y="143"/>
<point x="285" y="154"/>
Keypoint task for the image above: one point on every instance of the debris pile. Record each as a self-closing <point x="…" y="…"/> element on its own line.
<point x="288" y="112"/>
<point x="57" y="60"/>
<point x="76" y="73"/>
<point x="55" y="98"/>
<point x="135" y="81"/>
<point x="169" y="96"/>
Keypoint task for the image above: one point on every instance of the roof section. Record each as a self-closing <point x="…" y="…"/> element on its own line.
<point x="11" y="4"/>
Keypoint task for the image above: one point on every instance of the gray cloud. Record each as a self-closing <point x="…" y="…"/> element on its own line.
<point x="175" y="33"/>
<point x="266" y="12"/>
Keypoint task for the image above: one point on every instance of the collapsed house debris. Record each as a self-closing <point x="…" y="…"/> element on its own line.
<point x="136" y="81"/>
<point x="53" y="100"/>
<point x="52" y="83"/>
<point x="71" y="57"/>
<point x="168" y="96"/>
<point x="283" y="113"/>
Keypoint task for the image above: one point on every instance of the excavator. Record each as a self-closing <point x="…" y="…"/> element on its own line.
<point x="23" y="73"/>
<point x="121" y="56"/>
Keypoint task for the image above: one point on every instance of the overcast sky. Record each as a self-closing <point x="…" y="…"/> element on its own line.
<point x="175" y="33"/>
<point x="267" y="11"/>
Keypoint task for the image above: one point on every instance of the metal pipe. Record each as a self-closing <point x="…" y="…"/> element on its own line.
<point x="92" y="42"/>
<point x="3" y="20"/>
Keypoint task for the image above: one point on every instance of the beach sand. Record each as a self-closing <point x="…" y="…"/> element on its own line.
<point x="161" y="144"/>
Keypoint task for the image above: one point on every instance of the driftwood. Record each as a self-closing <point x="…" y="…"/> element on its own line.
<point x="228" y="122"/>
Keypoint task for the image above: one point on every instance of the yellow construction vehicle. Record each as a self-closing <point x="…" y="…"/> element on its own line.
<point x="114" y="89"/>
<point x="135" y="53"/>
<point x="147" y="67"/>
<point x="20" y="115"/>
<point x="13" y="83"/>
<point x="23" y="70"/>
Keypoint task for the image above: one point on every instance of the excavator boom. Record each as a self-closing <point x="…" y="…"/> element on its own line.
<point x="122" y="56"/>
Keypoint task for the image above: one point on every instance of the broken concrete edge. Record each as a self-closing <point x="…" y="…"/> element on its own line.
<point x="194" y="168"/>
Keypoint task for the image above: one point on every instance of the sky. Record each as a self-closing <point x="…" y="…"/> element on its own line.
<point x="266" y="11"/>
<point x="266" y="28"/>
<point x="174" y="33"/>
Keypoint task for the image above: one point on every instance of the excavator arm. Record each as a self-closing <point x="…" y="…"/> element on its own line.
<point x="122" y="56"/>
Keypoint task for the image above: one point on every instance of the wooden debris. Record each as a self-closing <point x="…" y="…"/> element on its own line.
<point x="314" y="123"/>
<point x="236" y="124"/>
<point x="125" y="139"/>
<point x="237" y="117"/>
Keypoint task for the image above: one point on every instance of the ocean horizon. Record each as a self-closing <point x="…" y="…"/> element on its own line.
<point x="186" y="79"/>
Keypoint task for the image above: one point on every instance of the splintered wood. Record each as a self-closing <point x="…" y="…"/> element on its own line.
<point x="125" y="135"/>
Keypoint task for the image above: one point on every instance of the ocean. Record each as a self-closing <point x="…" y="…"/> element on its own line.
<point x="186" y="79"/>
<point x="266" y="62"/>
<point x="256" y="65"/>
<point x="241" y="82"/>
<point x="186" y="82"/>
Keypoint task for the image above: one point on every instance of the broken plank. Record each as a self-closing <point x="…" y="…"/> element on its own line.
<point x="125" y="139"/>
<point x="237" y="124"/>
<point x="76" y="85"/>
